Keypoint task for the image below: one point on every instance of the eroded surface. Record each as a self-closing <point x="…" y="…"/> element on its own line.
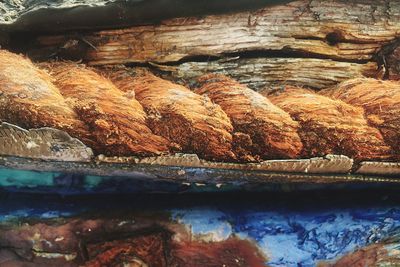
<point x="208" y="230"/>
<point x="42" y="143"/>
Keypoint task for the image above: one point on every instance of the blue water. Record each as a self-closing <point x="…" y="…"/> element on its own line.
<point x="292" y="231"/>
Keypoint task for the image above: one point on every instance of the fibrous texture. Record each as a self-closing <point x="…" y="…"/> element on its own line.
<point x="29" y="99"/>
<point x="331" y="126"/>
<point x="379" y="99"/>
<point x="192" y="121"/>
<point x="134" y="112"/>
<point x="118" y="123"/>
<point x="271" y="131"/>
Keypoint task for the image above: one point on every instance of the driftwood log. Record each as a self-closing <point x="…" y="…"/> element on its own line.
<point x="307" y="43"/>
<point x="264" y="74"/>
<point x="61" y="15"/>
<point x="324" y="28"/>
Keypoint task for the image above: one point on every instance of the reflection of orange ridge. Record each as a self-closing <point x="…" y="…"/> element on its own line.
<point x="381" y="254"/>
<point x="150" y="239"/>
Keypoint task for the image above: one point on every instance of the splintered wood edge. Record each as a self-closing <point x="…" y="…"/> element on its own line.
<point x="325" y="28"/>
<point x="379" y="168"/>
<point x="272" y="73"/>
<point x="185" y="175"/>
<point x="43" y="143"/>
<point x="328" y="164"/>
<point x="58" y="147"/>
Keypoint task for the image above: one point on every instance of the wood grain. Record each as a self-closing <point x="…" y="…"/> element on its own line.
<point x="273" y="73"/>
<point x="345" y="30"/>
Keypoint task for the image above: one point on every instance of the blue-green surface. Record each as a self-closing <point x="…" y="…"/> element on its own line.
<point x="291" y="229"/>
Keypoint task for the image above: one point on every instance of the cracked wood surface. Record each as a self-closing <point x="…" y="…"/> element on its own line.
<point x="352" y="31"/>
<point x="58" y="15"/>
<point x="274" y="73"/>
<point x="42" y="143"/>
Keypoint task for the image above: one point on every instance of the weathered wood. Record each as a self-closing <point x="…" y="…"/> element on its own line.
<point x="346" y="30"/>
<point x="273" y="73"/>
<point x="324" y="165"/>
<point x="50" y="15"/>
<point x="381" y="168"/>
<point x="272" y="175"/>
<point x="42" y="143"/>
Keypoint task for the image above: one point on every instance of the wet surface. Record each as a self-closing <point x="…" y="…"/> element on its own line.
<point x="237" y="229"/>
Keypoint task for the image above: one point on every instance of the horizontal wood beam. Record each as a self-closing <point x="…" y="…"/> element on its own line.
<point x="353" y="30"/>
<point x="55" y="16"/>
<point x="273" y="73"/>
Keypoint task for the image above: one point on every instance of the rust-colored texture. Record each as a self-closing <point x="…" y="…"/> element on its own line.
<point x="261" y="128"/>
<point x="230" y="252"/>
<point x="331" y="126"/>
<point x="29" y="99"/>
<point x="134" y="112"/>
<point x="145" y="241"/>
<point x="192" y="121"/>
<point x="380" y="101"/>
<point x="116" y="121"/>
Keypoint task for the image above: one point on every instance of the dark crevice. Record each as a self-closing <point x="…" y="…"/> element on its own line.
<point x="333" y="38"/>
<point x="77" y="46"/>
<point x="386" y="50"/>
<point x="225" y="57"/>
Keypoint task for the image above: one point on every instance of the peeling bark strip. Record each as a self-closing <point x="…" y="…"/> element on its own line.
<point x="346" y="30"/>
<point x="273" y="73"/>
